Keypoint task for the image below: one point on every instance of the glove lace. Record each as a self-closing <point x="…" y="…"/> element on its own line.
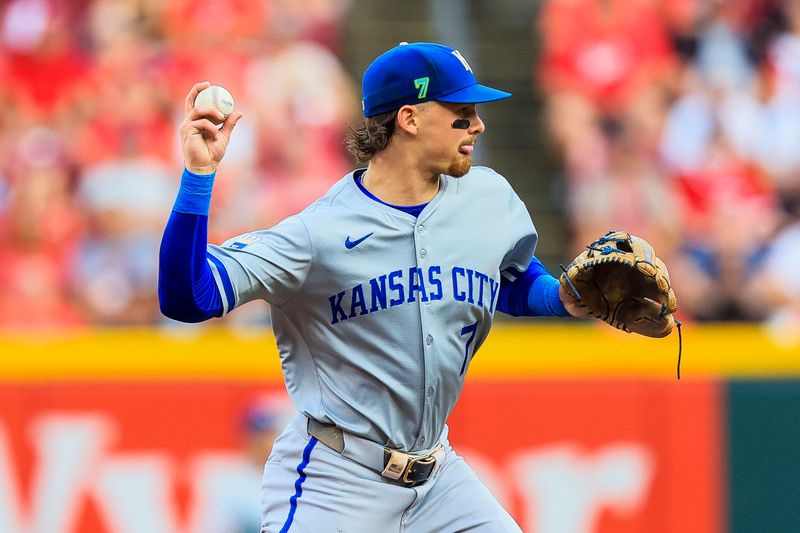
<point x="605" y="250"/>
<point x="571" y="285"/>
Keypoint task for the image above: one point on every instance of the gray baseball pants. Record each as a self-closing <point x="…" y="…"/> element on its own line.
<point x="310" y="488"/>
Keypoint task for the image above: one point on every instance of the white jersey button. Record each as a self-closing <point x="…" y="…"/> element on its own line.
<point x="422" y="440"/>
<point x="421" y="228"/>
<point x="423" y="253"/>
<point x="429" y="340"/>
<point x="430" y="392"/>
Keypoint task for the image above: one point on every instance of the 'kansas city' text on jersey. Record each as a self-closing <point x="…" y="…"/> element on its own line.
<point x="353" y="284"/>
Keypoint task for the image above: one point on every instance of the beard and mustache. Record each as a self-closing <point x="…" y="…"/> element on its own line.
<point x="460" y="167"/>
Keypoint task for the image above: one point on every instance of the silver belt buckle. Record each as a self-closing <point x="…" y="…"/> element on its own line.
<point x="397" y="465"/>
<point x="400" y="464"/>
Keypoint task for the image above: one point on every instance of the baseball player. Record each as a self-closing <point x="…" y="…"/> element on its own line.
<point x="381" y="293"/>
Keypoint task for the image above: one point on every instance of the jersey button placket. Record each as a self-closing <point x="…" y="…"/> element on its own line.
<point x="422" y="254"/>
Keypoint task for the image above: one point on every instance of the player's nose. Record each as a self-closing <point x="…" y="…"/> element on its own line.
<point x="476" y="125"/>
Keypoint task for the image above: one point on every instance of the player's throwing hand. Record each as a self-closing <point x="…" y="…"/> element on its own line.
<point x="203" y="143"/>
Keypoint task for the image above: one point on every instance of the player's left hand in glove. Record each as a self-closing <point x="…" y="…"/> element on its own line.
<point x="620" y="280"/>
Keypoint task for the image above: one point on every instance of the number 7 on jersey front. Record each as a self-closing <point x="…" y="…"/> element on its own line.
<point x="470" y="329"/>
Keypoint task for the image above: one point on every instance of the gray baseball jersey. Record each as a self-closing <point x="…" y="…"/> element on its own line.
<point x="378" y="313"/>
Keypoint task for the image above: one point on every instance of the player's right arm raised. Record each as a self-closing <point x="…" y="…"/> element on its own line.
<point x="186" y="287"/>
<point x="202" y="142"/>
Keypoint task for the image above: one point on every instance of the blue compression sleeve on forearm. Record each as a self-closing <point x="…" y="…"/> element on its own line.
<point x="534" y="293"/>
<point x="194" y="196"/>
<point x="187" y="290"/>
<point x="543" y="298"/>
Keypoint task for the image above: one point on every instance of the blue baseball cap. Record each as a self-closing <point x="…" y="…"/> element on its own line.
<point x="412" y="73"/>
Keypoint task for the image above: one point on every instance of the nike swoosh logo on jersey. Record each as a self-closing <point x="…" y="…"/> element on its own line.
<point x="352" y="244"/>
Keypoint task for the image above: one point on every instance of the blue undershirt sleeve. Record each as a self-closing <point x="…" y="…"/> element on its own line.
<point x="187" y="290"/>
<point x="534" y="293"/>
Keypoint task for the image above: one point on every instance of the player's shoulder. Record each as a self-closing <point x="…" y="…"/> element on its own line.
<point x="333" y="199"/>
<point x="485" y="176"/>
<point x="300" y="223"/>
<point x="477" y="170"/>
<point x="483" y="181"/>
<point x="340" y="203"/>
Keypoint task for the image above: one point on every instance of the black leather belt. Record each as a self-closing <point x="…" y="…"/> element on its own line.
<point x="408" y="469"/>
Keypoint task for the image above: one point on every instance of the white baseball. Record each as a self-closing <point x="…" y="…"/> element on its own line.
<point x="218" y="97"/>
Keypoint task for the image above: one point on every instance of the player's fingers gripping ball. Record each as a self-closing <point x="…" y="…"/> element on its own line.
<point x="216" y="97"/>
<point x="620" y="280"/>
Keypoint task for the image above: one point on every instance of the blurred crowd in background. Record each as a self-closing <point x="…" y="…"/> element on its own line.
<point x="92" y="92"/>
<point x="678" y="120"/>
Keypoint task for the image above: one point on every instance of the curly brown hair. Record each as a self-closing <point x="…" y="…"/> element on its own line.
<point x="373" y="136"/>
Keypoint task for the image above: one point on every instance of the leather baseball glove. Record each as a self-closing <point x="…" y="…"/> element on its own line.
<point x="619" y="280"/>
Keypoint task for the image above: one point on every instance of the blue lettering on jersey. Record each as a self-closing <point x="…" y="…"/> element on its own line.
<point x="407" y="286"/>
<point x="357" y="301"/>
<point x="457" y="293"/>
<point x="416" y="284"/>
<point x="470" y="273"/>
<point x="378" y="293"/>
<point x="480" y="276"/>
<point x="336" y="308"/>
<point x="434" y="281"/>
<point x="394" y="286"/>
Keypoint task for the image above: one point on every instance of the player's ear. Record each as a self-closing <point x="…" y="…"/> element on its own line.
<point x="408" y="119"/>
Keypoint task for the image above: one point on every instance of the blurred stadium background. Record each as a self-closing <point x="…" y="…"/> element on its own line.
<point x="678" y="120"/>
